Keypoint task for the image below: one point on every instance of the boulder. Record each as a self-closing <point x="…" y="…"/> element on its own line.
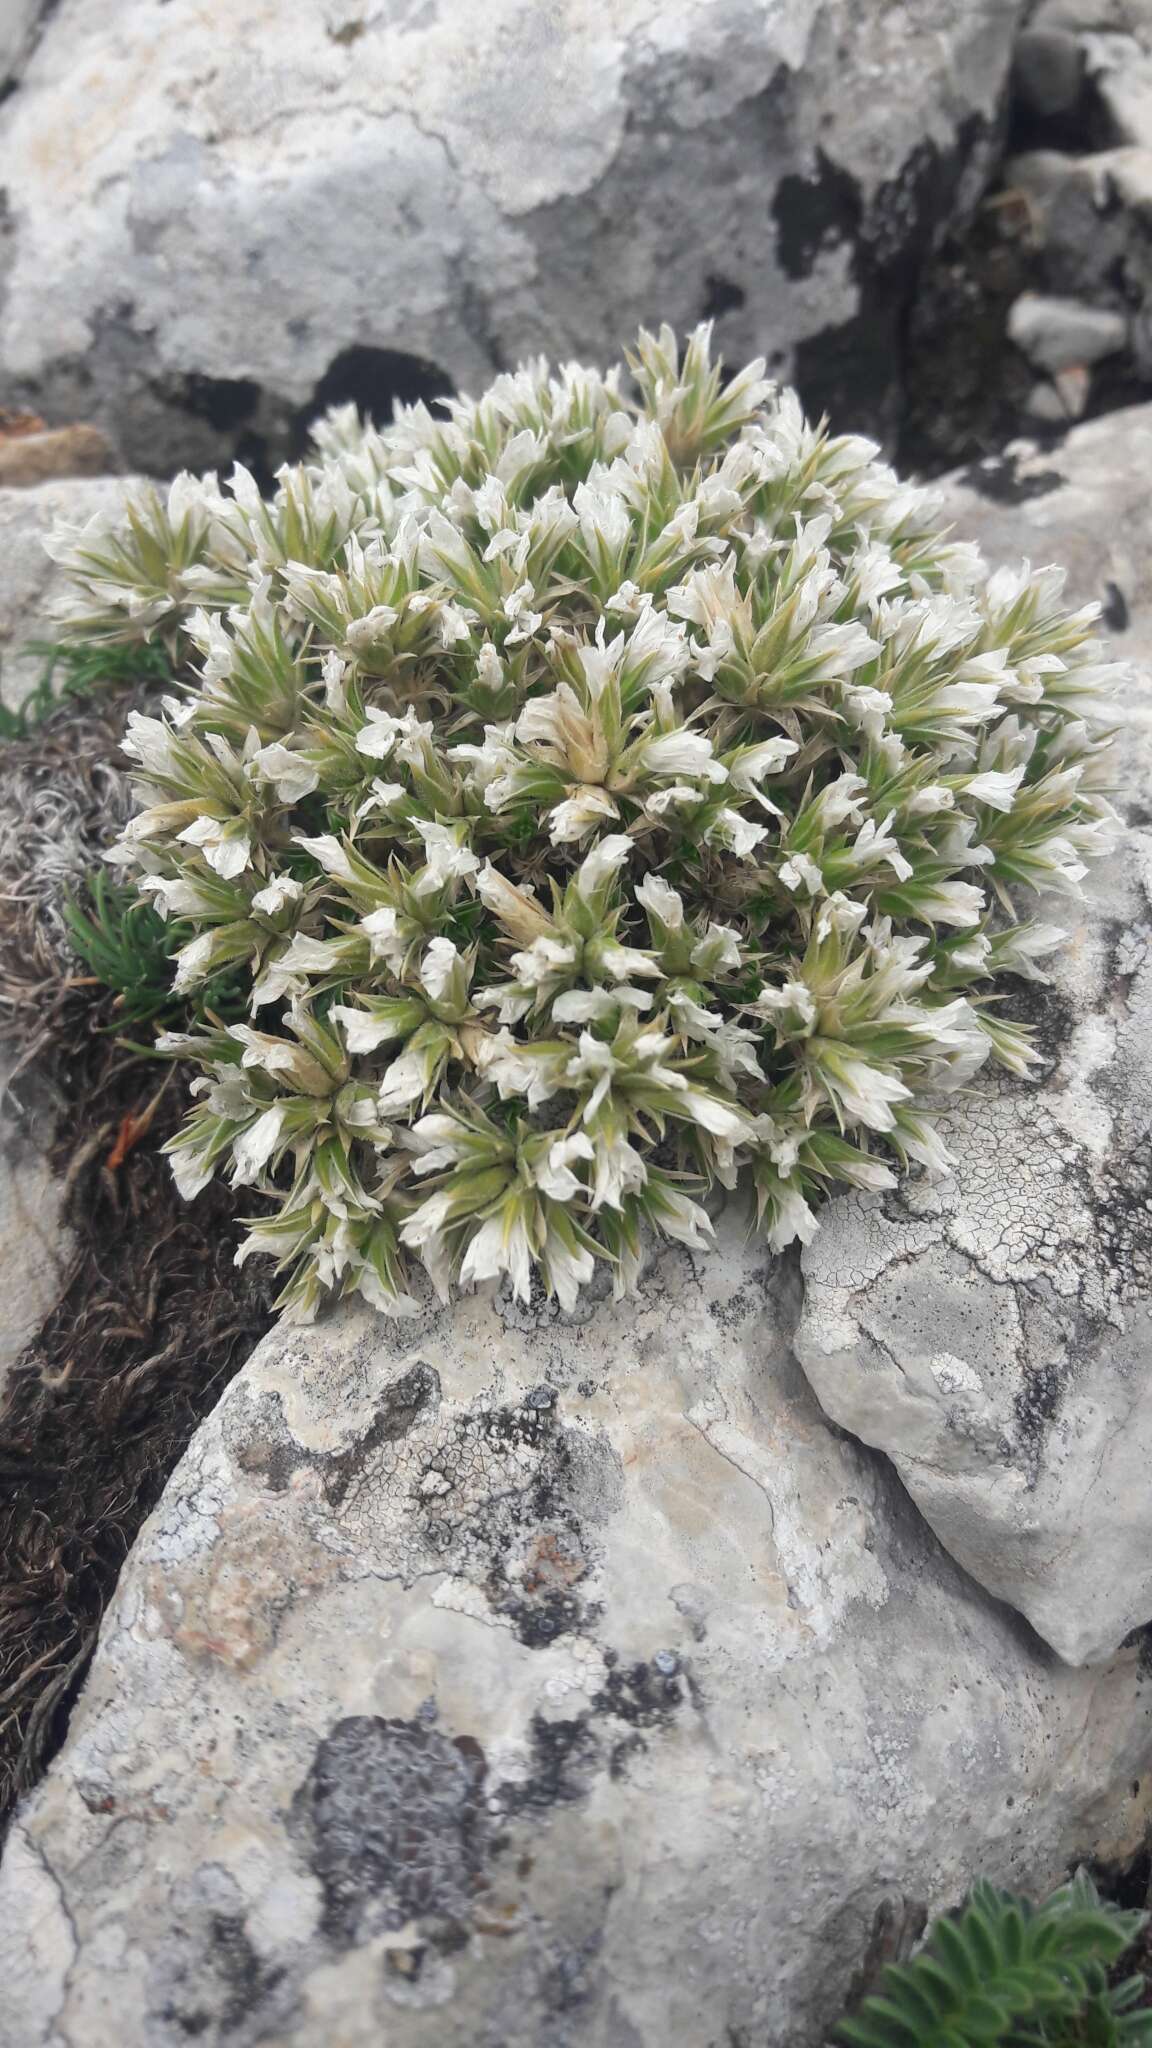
<point x="222" y="215"/>
<point x="991" y="1333"/>
<point x="503" y="1678"/>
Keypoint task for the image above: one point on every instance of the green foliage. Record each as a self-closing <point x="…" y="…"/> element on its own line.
<point x="1006" y="1974"/>
<point x="72" y="673"/>
<point x="124" y="943"/>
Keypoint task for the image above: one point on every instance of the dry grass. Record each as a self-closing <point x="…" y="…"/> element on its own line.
<point x="153" y="1318"/>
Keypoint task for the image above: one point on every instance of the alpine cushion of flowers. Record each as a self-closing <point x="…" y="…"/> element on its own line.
<point x="609" y="789"/>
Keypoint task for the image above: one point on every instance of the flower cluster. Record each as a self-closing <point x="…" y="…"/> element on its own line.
<point x="608" y="788"/>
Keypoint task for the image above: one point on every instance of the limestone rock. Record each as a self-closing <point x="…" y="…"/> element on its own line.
<point x="992" y="1332"/>
<point x="501" y="1679"/>
<point x="1121" y="69"/>
<point x="223" y="215"/>
<point x="31" y="586"/>
<point x="1061" y="334"/>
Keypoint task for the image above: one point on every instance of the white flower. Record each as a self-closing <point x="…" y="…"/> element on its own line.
<point x="794" y="999"/>
<point x="386" y="937"/>
<point x="363" y="1030"/>
<point x="839" y="914"/>
<point x="800" y="871"/>
<point x="543" y="959"/>
<point x="554" y="1176"/>
<point x="957" y="903"/>
<point x="605" y="859"/>
<point x="793" y="1219"/>
<point x="363" y="633"/>
<point x="597" y="1005"/>
<point x="682" y="753"/>
<point x="225" y="844"/>
<point x="752" y="764"/>
<point x="290" y="774"/>
<point x="663" y="901"/>
<point x="194" y="962"/>
<point x="447" y="856"/>
<point x="515" y="1069"/>
<point x="403" y="1083"/>
<point x="620" y="1171"/>
<point x="149" y="741"/>
<point x="440" y="969"/>
<point x="489" y="668"/>
<point x="332" y="857"/>
<point x="579" y="815"/>
<point x="253" y="1148"/>
<point x="717" y="951"/>
<point x="500" y="1246"/>
<point x="734" y="830"/>
<point x="996" y="787"/>
<point x="278" y="891"/>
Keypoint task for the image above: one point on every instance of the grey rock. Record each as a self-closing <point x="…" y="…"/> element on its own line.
<point x="1062" y="334"/>
<point x="1123" y="17"/>
<point x="655" y="1718"/>
<point x="1092" y="219"/>
<point x="1121" y="71"/>
<point x="20" y="24"/>
<point x="211" y="207"/>
<point x="1062" y="400"/>
<point x="1048" y="70"/>
<point x="31" y="586"/>
<point x="991" y="1332"/>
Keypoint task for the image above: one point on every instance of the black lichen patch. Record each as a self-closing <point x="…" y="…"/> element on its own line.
<point x="396" y="1815"/>
<point x="721" y="296"/>
<point x="853" y="371"/>
<point x="814" y="213"/>
<point x="402" y="1405"/>
<point x="1048" y="1016"/>
<point x="209" y="1982"/>
<point x="269" y="1450"/>
<point x="541" y="1602"/>
<point x="998" y="478"/>
<point x="1124" y="1219"/>
<point x="644" y="1695"/>
<point x="565" y="1757"/>
<point x="1114" y="611"/>
<point x="636" y="1699"/>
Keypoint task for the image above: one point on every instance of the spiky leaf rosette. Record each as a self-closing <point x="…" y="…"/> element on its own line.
<point x="609" y="789"/>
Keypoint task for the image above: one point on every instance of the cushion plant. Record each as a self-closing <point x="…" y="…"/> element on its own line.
<point x="609" y="788"/>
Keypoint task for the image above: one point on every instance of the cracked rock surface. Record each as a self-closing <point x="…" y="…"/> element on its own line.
<point x="502" y="1679"/>
<point x="992" y="1332"/>
<point x="222" y="214"/>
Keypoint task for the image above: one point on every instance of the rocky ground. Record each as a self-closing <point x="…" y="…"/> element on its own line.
<point x="787" y="1600"/>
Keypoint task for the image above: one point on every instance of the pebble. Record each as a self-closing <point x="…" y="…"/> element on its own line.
<point x="1062" y="334"/>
